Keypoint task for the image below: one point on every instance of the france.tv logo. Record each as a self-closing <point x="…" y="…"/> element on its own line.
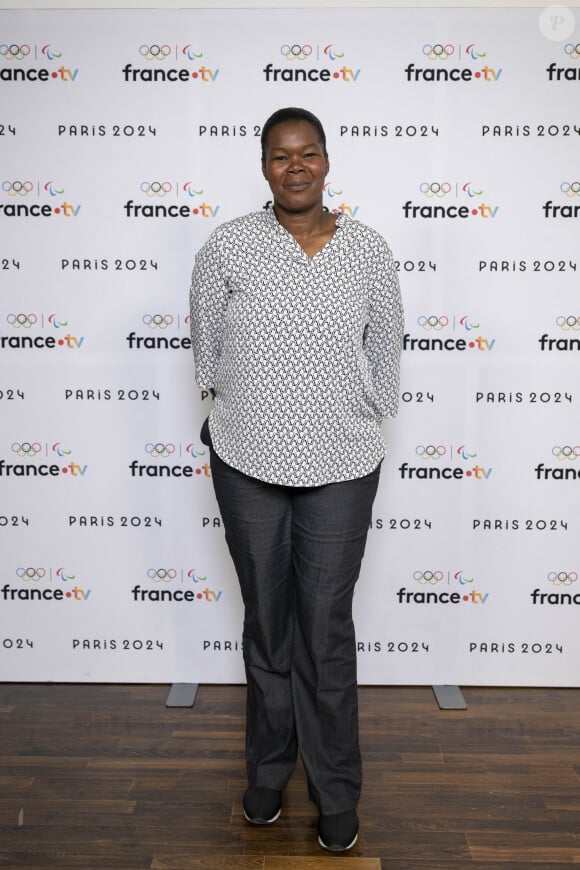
<point x="162" y="196"/>
<point x="440" y="58"/>
<point x="157" y="55"/>
<point x="438" y="330"/>
<point x="439" y="193"/>
<point x="298" y="57"/>
<point x="14" y="54"/>
<point x="443" y="462"/>
<point x="23" y="335"/>
<point x="18" y="190"/>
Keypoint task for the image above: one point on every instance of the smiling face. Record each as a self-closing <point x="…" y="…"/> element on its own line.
<point x="295" y="166"/>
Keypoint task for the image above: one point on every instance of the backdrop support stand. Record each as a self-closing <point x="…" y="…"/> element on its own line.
<point x="449" y="697"/>
<point x="181" y="695"/>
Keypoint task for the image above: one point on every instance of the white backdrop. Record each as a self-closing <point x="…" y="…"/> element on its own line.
<point x="126" y="137"/>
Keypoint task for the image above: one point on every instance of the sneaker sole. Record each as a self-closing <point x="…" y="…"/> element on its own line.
<point x="262" y="821"/>
<point x="336" y="847"/>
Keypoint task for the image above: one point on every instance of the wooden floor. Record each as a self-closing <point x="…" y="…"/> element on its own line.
<point x="106" y="777"/>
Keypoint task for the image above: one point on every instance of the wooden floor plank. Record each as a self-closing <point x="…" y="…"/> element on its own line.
<point x="529" y="847"/>
<point x="285" y="862"/>
<point x="107" y="777"/>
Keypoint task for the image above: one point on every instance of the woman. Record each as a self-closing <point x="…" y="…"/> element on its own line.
<point x="297" y="328"/>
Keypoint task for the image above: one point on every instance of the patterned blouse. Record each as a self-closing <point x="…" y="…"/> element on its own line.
<point x="303" y="353"/>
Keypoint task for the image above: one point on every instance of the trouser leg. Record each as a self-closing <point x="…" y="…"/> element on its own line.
<point x="257" y="522"/>
<point x="329" y="531"/>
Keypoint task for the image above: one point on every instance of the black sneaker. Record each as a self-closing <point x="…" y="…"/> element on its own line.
<point x="338" y="833"/>
<point x="262" y="806"/>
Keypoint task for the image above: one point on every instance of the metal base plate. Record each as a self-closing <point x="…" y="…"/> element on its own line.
<point x="181" y="695"/>
<point x="449" y="698"/>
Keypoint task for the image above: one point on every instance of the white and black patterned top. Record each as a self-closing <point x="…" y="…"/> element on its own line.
<point x="303" y="353"/>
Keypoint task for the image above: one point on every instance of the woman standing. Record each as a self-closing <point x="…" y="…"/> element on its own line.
<point x="297" y="328"/>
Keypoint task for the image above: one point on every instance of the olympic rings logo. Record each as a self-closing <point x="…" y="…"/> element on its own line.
<point x="21" y="321"/>
<point x="566" y="452"/>
<point x="433" y="322"/>
<point x="154" y="52"/>
<point x="567" y="323"/>
<point x="570" y="188"/>
<point x="26" y="448"/>
<point x="435" y="188"/>
<point x="162" y="575"/>
<point x="296" y="52"/>
<point x="157" y="321"/>
<point x="430" y="451"/>
<point x="572" y="50"/>
<point x="14" y="52"/>
<point x="562" y="578"/>
<point x="438" y="51"/>
<point x="27" y="574"/>
<point x="17" y="188"/>
<point x="159" y="449"/>
<point x="156" y="188"/>
<point x="428" y="577"/>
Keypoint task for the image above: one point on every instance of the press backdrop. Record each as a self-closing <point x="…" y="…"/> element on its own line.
<point x="126" y="138"/>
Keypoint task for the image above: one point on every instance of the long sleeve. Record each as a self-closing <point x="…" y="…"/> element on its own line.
<point x="208" y="300"/>
<point x="384" y="335"/>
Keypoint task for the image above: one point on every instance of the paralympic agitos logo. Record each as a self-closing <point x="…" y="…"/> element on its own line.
<point x="309" y="62"/>
<point x="157" y="58"/>
<point x="16" y="57"/>
<point x="438" y="195"/>
<point x="441" y="61"/>
<point x="162" y="196"/>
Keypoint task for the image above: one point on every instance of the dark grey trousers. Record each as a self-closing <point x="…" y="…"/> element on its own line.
<point x="297" y="554"/>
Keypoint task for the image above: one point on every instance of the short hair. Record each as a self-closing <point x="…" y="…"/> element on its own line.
<point x="283" y="116"/>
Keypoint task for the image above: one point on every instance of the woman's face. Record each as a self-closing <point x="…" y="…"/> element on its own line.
<point x="295" y="166"/>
